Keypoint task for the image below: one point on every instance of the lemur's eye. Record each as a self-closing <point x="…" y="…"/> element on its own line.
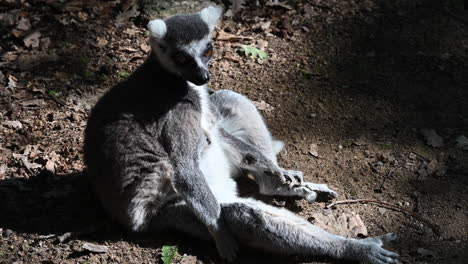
<point x="208" y="52"/>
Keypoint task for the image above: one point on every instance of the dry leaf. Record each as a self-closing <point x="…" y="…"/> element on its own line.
<point x="12" y="82"/>
<point x="95" y="248"/>
<point x="32" y="103"/>
<point x="145" y="47"/>
<point x="231" y="58"/>
<point x="10" y="56"/>
<point x="32" y="40"/>
<point x="24" y="24"/>
<point x="224" y="36"/>
<point x="346" y="224"/>
<point x="129" y="12"/>
<point x="130" y="31"/>
<point x="279" y="4"/>
<point x="262" y="44"/>
<point x="52" y="161"/>
<point x="313" y="150"/>
<point x="45" y="43"/>
<point x="101" y="42"/>
<point x="432" y="138"/>
<point x="13" y="124"/>
<point x="263" y="106"/>
<point x="3" y="169"/>
<point x="188" y="260"/>
<point x="265" y="26"/>
<point x="24" y="160"/>
<point x="128" y="49"/>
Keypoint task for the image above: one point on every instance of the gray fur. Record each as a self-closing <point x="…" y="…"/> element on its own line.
<point x="147" y="141"/>
<point x="185" y="28"/>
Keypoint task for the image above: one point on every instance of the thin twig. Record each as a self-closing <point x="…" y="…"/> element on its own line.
<point x="386" y="177"/>
<point x="433" y="226"/>
<point x="421" y="156"/>
<point x="57" y="100"/>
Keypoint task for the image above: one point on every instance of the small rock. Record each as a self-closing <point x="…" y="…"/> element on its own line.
<point x="382" y="210"/>
<point x="425" y="252"/>
<point x="432" y="138"/>
<point x="95" y="248"/>
<point x="7" y="232"/>
<point x="462" y="142"/>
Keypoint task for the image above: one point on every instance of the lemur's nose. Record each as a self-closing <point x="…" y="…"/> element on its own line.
<point x="205" y="78"/>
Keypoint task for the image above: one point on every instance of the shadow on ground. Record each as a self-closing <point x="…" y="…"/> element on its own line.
<point x="49" y="204"/>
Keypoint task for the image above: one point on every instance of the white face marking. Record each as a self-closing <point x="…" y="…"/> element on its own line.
<point x="196" y="49"/>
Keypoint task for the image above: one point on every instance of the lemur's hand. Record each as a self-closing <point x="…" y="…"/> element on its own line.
<point x="370" y="250"/>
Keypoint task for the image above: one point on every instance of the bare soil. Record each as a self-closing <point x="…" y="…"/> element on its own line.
<point x="348" y="85"/>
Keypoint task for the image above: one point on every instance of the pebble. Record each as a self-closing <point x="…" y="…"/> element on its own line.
<point x="7" y="232"/>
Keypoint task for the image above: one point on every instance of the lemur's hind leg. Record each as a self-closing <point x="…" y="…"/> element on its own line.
<point x="277" y="230"/>
<point x="245" y="131"/>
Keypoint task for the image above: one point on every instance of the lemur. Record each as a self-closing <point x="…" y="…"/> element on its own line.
<point x="162" y="152"/>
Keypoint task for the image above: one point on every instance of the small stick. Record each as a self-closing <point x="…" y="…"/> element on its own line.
<point x="434" y="227"/>
<point x="421" y="156"/>
<point x="56" y="100"/>
<point x="386" y="177"/>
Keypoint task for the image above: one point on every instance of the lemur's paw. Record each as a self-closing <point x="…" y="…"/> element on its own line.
<point x="227" y="246"/>
<point x="375" y="254"/>
<point x="296" y="177"/>
<point x="322" y="190"/>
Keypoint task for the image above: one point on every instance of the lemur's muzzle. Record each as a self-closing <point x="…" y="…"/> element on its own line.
<point x="200" y="78"/>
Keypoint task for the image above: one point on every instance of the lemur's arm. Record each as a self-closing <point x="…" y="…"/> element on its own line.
<point x="248" y="157"/>
<point x="182" y="138"/>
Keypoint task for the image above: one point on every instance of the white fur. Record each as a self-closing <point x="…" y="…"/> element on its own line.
<point x="157" y="28"/>
<point x="214" y="162"/>
<point x="211" y="15"/>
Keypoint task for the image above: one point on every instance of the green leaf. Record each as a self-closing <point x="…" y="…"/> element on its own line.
<point x="52" y="92"/>
<point x="253" y="52"/>
<point x="123" y="74"/>
<point x="168" y="253"/>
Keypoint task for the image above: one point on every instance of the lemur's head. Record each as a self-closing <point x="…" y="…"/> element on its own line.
<point x="183" y="45"/>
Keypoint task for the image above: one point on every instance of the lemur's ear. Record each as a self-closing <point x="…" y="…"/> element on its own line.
<point x="211" y="15"/>
<point x="157" y="28"/>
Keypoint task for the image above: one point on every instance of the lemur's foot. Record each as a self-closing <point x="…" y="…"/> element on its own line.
<point x="322" y="191"/>
<point x="370" y="250"/>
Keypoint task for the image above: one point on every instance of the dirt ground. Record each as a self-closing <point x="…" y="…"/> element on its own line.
<point x="347" y="85"/>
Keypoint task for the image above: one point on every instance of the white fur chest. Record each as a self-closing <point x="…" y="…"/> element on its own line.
<point x="207" y="118"/>
<point x="214" y="163"/>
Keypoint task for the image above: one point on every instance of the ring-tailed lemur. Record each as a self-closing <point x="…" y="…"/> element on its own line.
<point x="162" y="153"/>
